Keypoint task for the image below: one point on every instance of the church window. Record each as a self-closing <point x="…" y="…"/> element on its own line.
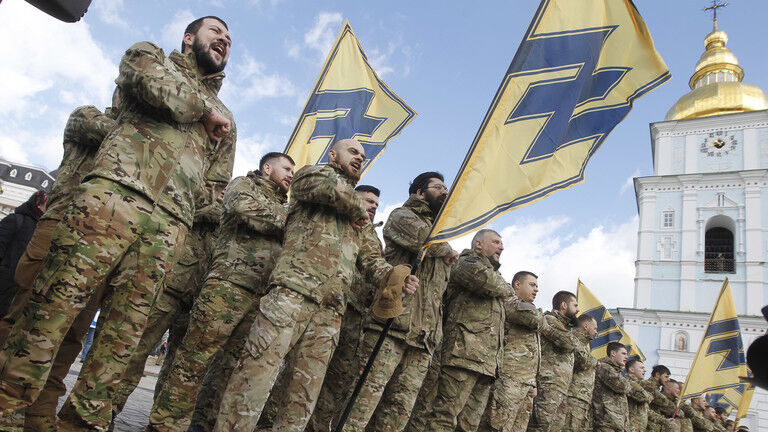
<point x="718" y="251"/>
<point x="668" y="219"/>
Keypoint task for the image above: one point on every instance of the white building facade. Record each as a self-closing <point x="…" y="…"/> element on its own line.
<point x="703" y="218"/>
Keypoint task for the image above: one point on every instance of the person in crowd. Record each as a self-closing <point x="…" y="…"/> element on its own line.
<point x="344" y="366"/>
<point x="249" y="240"/>
<point x="301" y="316"/>
<point x="556" y="372"/>
<point x="16" y="231"/>
<point x="665" y="403"/>
<point x="473" y="338"/>
<point x="639" y="398"/>
<point x="577" y="416"/>
<point x="509" y="407"/>
<point x="390" y="390"/>
<point x="122" y="228"/>
<point x="609" y="401"/>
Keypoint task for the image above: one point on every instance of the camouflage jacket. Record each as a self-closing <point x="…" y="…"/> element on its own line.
<point x="420" y="324"/>
<point x="362" y="292"/>
<point x="557" y="346"/>
<point x="584" y="363"/>
<point x="474" y="324"/>
<point x="638" y="400"/>
<point x="250" y="236"/>
<point x="160" y="147"/>
<point x="324" y="247"/>
<point x="698" y="421"/>
<point x="522" y="342"/>
<point x="85" y="130"/>
<point x="665" y="405"/>
<point x="609" y="401"/>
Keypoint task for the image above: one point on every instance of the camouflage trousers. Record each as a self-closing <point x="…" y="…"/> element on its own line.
<point x="548" y="413"/>
<point x="389" y="393"/>
<point x="169" y="312"/>
<point x="343" y="370"/>
<point x="110" y="236"/>
<point x="288" y="324"/>
<point x="509" y="407"/>
<point x="219" y="309"/>
<point x="578" y="416"/>
<point x="424" y="400"/>
<point x="460" y="401"/>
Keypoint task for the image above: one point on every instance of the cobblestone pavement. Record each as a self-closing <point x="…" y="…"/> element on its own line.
<point x="135" y="415"/>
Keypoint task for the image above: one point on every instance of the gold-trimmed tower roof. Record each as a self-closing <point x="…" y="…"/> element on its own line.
<point x="716" y="84"/>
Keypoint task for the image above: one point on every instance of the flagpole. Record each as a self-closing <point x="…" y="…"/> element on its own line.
<point x="372" y="358"/>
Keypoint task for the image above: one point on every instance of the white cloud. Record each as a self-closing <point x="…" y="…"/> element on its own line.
<point x="251" y="148"/>
<point x="57" y="67"/>
<point x="110" y="12"/>
<point x="249" y="81"/>
<point x="321" y="36"/>
<point x="629" y="183"/>
<point x="173" y="32"/>
<point x="380" y="59"/>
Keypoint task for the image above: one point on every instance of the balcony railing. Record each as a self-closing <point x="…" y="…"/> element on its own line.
<point x="719" y="265"/>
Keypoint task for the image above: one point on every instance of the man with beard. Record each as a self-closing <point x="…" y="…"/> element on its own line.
<point x="249" y="241"/>
<point x="344" y="365"/>
<point x="609" y="401"/>
<point x="123" y="227"/>
<point x="389" y="392"/>
<point x="474" y="333"/>
<point x="509" y="407"/>
<point x="583" y="382"/>
<point x="301" y="315"/>
<point x="556" y="370"/>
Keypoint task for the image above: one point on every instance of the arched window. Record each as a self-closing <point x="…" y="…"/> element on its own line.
<point x="718" y="250"/>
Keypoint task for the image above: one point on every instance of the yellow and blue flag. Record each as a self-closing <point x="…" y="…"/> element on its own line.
<point x="720" y="362"/>
<point x="348" y="101"/>
<point x="607" y="329"/>
<point x="578" y="70"/>
<point x="732" y="399"/>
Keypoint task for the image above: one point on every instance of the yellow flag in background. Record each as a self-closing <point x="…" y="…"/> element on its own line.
<point x="720" y="361"/>
<point x="348" y="101"/>
<point x="578" y="70"/>
<point x="607" y="329"/>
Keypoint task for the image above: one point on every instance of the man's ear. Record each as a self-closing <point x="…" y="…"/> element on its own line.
<point x="188" y="40"/>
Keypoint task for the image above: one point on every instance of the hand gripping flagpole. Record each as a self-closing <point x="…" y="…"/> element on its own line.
<point x="374" y="354"/>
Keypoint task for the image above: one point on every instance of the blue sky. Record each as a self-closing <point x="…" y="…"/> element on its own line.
<point x="445" y="59"/>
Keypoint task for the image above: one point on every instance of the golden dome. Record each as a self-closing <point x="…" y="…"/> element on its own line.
<point x="716" y="86"/>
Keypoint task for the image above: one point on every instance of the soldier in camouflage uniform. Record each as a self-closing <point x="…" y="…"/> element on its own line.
<point x="509" y="407"/>
<point x="639" y="399"/>
<point x="710" y="414"/>
<point x="85" y="130"/>
<point x="578" y="418"/>
<point x="389" y="392"/>
<point x="473" y="338"/>
<point x="249" y="240"/>
<point x="556" y="370"/>
<point x="609" y="402"/>
<point x="665" y="403"/>
<point x="122" y="228"/>
<point x="695" y="410"/>
<point x="301" y="315"/>
<point x="344" y="366"/>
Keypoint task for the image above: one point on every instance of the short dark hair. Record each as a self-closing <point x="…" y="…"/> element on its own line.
<point x="522" y="274"/>
<point x="195" y="25"/>
<point x="421" y="181"/>
<point x="368" y="188"/>
<point x="271" y="156"/>
<point x="561" y="297"/>
<point x="719" y="410"/>
<point x="661" y="370"/>
<point x="631" y="362"/>
<point x="613" y="347"/>
<point x="583" y="318"/>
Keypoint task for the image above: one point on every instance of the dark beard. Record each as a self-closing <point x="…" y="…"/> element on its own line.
<point x="434" y="203"/>
<point x="204" y="60"/>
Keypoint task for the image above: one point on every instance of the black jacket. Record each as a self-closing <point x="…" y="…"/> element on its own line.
<point x="15" y="232"/>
